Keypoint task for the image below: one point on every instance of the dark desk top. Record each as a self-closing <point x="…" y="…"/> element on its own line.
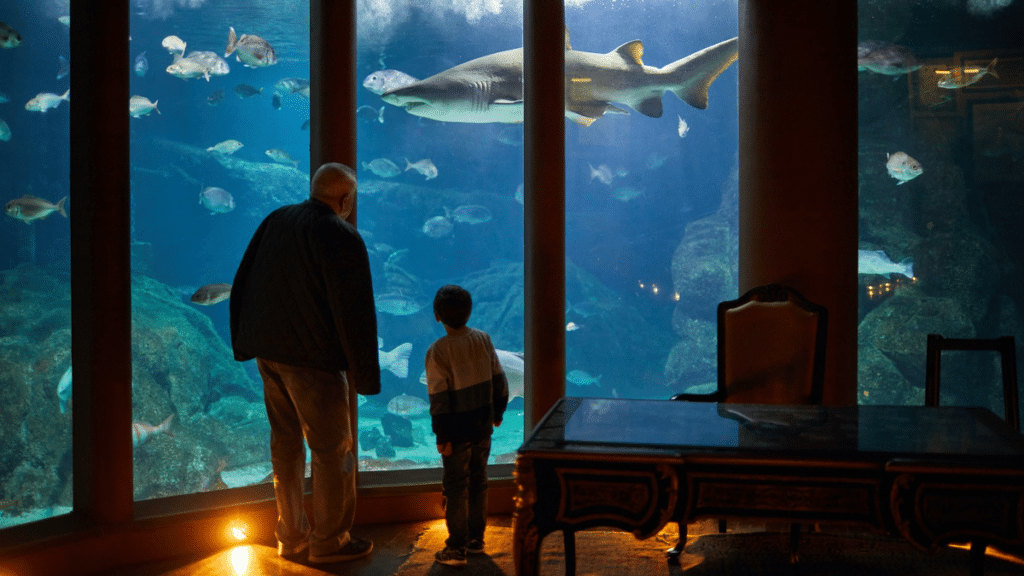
<point x="664" y="427"/>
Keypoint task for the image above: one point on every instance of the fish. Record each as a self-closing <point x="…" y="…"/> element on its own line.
<point x="902" y="167"/>
<point x="370" y="113"/>
<point x="28" y="208"/>
<point x="215" y="97"/>
<point x="383" y="81"/>
<point x="581" y="378"/>
<point x="305" y="125"/>
<point x="885" y="58"/>
<point x="275" y="101"/>
<point x="396" y="304"/>
<point x="141" y="106"/>
<point x="226" y="147"/>
<point x="63" y="67"/>
<point x="965" y="76"/>
<point x="655" y="160"/>
<point x="141" y="432"/>
<point x="514" y="366"/>
<point x="490" y="88"/>
<point x="292" y="85"/>
<point x="211" y="294"/>
<point x="216" y="200"/>
<point x="173" y="44"/>
<point x="603" y="174"/>
<point x="45" y="100"/>
<point x="572" y="327"/>
<point x="397" y="360"/>
<point x="425" y="167"/>
<point x="683" y="127"/>
<point x="5" y="131"/>
<point x="438" y="227"/>
<point x="520" y="195"/>
<point x="65" y="20"/>
<point x="472" y="214"/>
<point x="9" y="37"/>
<point x="282" y="157"/>
<point x="406" y="406"/>
<point x="246" y="91"/>
<point x="627" y="193"/>
<point x="250" y="50"/>
<point x="64" y="390"/>
<point x="141" y="64"/>
<point x="383" y="168"/>
<point x="878" y="262"/>
<point x="4" y="98"/>
<point x="201" y="63"/>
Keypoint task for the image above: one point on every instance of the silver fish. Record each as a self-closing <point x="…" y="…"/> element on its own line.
<point x="405" y="405"/>
<point x="603" y="174"/>
<point x="395" y="361"/>
<point x="472" y="214"/>
<point x="64" y="390"/>
<point x="396" y="304"/>
<point x="225" y="147"/>
<point x="211" y="294"/>
<point x="216" y="200"/>
<point x="438" y="227"/>
<point x="29" y="208"/>
<point x="174" y="44"/>
<point x="141" y="64"/>
<point x="5" y="131"/>
<point x="246" y="91"/>
<point x="383" y="168"/>
<point x="581" y="378"/>
<point x="250" y="50"/>
<point x="902" y="167"/>
<point x="885" y="58"/>
<point x="383" y="81"/>
<point x="282" y="157"/>
<point x="425" y="167"/>
<point x="45" y="100"/>
<point x="878" y="262"/>
<point x="141" y="106"/>
<point x="683" y="127"/>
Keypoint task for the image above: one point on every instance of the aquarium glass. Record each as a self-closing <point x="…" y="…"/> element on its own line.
<point x="651" y="199"/>
<point x="440" y="202"/>
<point x="199" y="422"/>
<point x="941" y="165"/>
<point x="36" y="408"/>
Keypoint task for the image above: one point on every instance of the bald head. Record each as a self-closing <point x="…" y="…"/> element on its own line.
<point x="334" y="184"/>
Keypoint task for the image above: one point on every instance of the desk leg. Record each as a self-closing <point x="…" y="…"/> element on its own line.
<point x="525" y="536"/>
<point x="570" y="552"/>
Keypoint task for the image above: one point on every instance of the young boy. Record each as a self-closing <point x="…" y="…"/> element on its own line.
<point x="468" y="394"/>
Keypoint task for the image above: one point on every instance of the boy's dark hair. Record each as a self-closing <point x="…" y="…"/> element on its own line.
<point x="453" y="305"/>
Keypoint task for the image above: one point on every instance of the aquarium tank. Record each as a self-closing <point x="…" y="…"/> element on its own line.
<point x="220" y="138"/>
<point x="941" y="167"/>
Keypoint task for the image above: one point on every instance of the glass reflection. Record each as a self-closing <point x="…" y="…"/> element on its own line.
<point x="941" y="144"/>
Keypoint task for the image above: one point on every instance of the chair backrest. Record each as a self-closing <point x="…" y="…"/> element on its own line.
<point x="1004" y="345"/>
<point x="771" y="347"/>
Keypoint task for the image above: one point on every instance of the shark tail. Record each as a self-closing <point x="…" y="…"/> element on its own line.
<point x="398" y="360"/>
<point x="696" y="72"/>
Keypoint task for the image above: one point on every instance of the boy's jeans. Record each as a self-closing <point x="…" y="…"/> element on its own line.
<point x="464" y="486"/>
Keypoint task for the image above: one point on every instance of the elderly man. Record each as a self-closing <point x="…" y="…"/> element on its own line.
<point x="302" y="305"/>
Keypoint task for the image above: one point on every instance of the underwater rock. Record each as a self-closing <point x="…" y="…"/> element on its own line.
<point x="385" y="450"/>
<point x="704" y="269"/>
<point x="397" y="429"/>
<point x="963" y="266"/>
<point x="370" y="438"/>
<point x="693" y="359"/>
<point x="881" y="383"/>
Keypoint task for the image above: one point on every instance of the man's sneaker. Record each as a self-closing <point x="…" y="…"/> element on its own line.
<point x="451" y="556"/>
<point x="355" y="548"/>
<point x="475" y="546"/>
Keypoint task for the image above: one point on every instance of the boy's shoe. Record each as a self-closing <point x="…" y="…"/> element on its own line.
<point x="451" y="556"/>
<point x="297" y="553"/>
<point x="475" y="546"/>
<point x="355" y="548"/>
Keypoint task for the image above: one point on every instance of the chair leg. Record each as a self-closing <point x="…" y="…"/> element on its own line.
<point x="570" y="552"/>
<point x="794" y="542"/>
<point x="721" y="526"/>
<point x="674" y="552"/>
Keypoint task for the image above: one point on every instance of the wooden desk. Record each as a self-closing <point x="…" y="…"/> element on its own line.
<point x="932" y="475"/>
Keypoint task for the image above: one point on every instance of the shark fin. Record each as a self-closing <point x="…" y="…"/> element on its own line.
<point x="577" y="118"/>
<point x="631" y="52"/>
<point x="652" y="106"/>
<point x="506" y="101"/>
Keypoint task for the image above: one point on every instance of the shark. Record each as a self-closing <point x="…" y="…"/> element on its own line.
<point x="490" y="88"/>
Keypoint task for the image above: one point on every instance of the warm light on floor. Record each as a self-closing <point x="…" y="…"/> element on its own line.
<point x="242" y="561"/>
<point x="990" y="551"/>
<point x="238" y="530"/>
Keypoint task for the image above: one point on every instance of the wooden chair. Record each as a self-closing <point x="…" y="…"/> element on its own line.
<point x="1007" y="349"/>
<point x="771" y="350"/>
<point x="1004" y="345"/>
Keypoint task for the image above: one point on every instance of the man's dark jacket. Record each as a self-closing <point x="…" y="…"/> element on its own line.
<point x="303" y="295"/>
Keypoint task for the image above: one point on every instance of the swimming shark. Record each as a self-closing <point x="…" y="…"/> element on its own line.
<point x="490" y="88"/>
